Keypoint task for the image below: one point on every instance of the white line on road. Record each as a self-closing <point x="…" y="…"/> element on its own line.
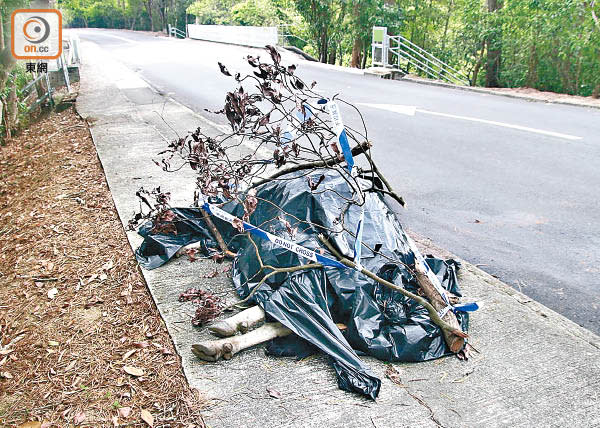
<point x="411" y="110"/>
<point x="103" y="34"/>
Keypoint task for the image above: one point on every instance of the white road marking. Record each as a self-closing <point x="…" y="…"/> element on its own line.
<point x="105" y="34"/>
<point x="411" y="110"/>
<point x="396" y="108"/>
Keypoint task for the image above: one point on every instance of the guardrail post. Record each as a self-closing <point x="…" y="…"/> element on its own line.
<point x="49" y="88"/>
<point x="65" y="72"/>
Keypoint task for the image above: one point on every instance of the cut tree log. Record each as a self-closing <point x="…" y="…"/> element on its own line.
<point x="455" y="342"/>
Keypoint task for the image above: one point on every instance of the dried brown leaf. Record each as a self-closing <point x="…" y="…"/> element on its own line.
<point x="124" y="412"/>
<point x="147" y="417"/>
<point x="238" y="224"/>
<point x="128" y="354"/>
<point x="133" y="371"/>
<point x="78" y="418"/>
<point x="31" y="424"/>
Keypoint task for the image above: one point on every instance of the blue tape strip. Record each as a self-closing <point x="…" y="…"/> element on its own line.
<point x="326" y="261"/>
<point x="307" y="113"/>
<point x="347" y="152"/>
<point x="287" y="136"/>
<point x="466" y="307"/>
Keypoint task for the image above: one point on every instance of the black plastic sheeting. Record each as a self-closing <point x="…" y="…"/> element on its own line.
<point x="381" y="322"/>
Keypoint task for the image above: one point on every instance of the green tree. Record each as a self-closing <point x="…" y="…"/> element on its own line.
<point x="255" y="12"/>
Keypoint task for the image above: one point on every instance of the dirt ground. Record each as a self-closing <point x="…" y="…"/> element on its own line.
<point x="550" y="96"/>
<point x="81" y="342"/>
<point x="531" y="93"/>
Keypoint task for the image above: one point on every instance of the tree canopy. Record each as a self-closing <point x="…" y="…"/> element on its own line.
<point x="551" y="45"/>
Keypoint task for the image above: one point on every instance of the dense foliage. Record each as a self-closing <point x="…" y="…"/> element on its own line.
<point x="550" y="45"/>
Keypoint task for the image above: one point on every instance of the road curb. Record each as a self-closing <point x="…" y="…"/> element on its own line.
<point x="498" y="93"/>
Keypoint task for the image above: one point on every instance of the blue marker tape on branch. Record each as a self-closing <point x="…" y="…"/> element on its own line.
<point x="340" y="132"/>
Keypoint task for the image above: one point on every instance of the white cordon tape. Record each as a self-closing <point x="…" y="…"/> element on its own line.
<point x="276" y="240"/>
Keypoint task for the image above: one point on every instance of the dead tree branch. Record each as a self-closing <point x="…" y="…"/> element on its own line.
<point x="452" y="332"/>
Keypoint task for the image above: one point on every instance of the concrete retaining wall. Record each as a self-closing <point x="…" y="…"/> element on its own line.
<point x="238" y="35"/>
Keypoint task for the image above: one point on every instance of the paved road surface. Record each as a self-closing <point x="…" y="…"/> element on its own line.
<point x="510" y="185"/>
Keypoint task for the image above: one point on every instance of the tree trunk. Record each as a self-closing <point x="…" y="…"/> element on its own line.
<point x="12" y="110"/>
<point x="323" y="50"/>
<point x="494" y="40"/>
<point x="162" y="12"/>
<point x="2" y="45"/>
<point x="594" y="16"/>
<point x="148" y="4"/>
<point x="356" y="52"/>
<point x="132" y="26"/>
<point x="596" y="91"/>
<point x="332" y="54"/>
<point x="445" y="36"/>
<point x="478" y="66"/>
<point x="365" y="54"/>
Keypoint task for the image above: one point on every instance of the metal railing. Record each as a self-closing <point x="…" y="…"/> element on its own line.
<point x="404" y="49"/>
<point x="283" y="35"/>
<point x="32" y="85"/>
<point x="176" y="32"/>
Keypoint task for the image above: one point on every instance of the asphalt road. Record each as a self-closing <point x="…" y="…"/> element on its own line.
<point x="510" y="185"/>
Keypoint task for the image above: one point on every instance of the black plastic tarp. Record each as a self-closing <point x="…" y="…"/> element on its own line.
<point x="380" y="322"/>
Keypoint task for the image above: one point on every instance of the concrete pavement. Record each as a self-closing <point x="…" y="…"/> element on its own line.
<point x="535" y="367"/>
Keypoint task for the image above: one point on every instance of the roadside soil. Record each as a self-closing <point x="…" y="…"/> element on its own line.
<point x="81" y="341"/>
